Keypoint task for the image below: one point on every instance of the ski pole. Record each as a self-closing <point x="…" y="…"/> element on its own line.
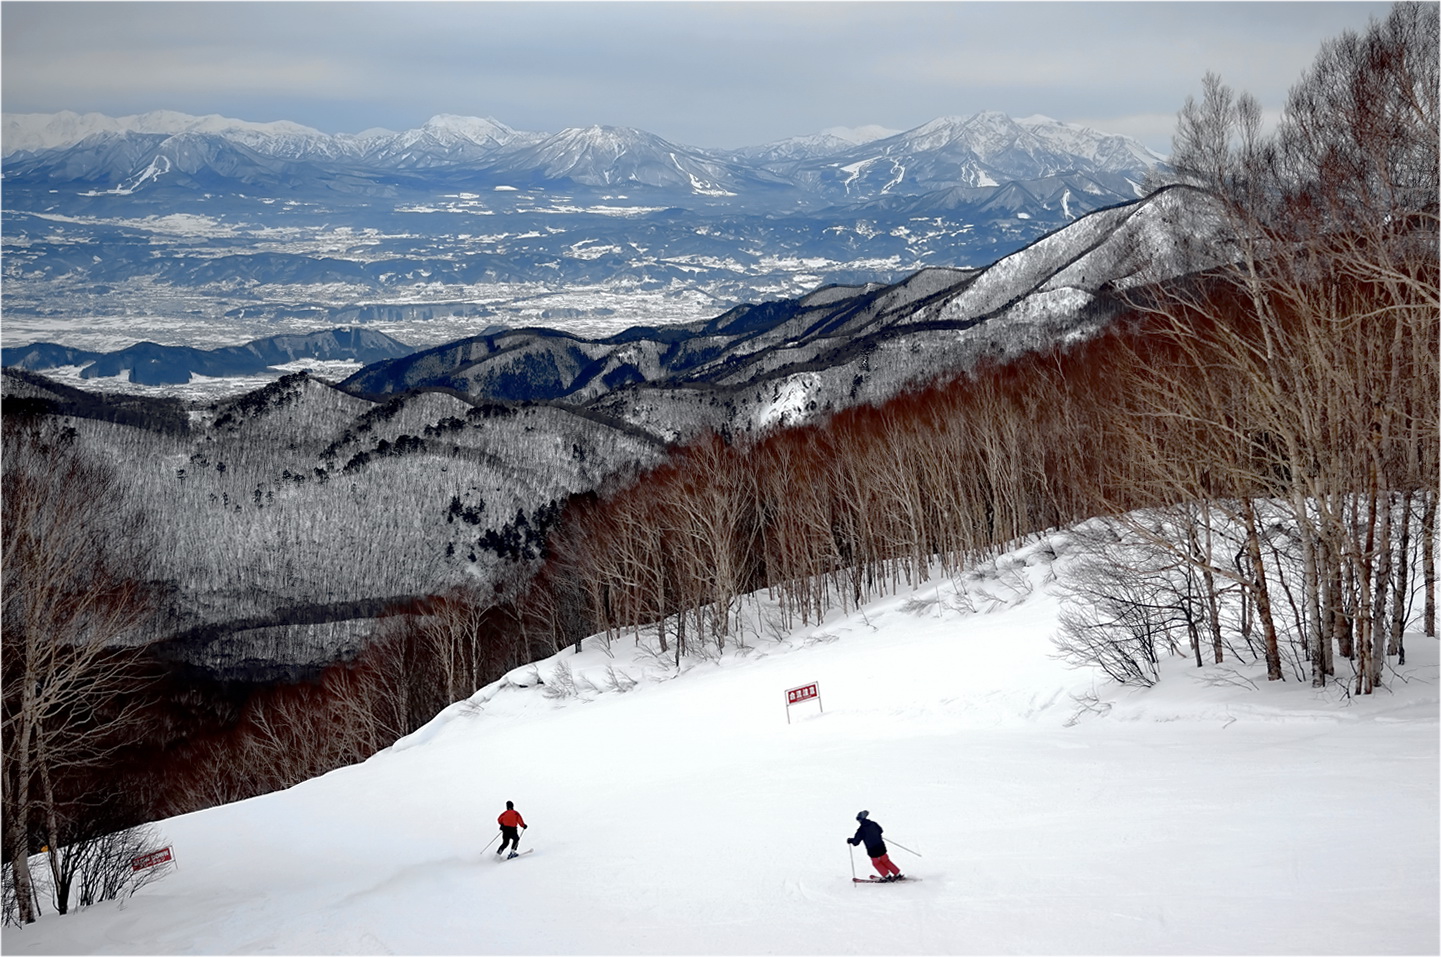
<point x="853" y="864"/>
<point x="492" y="841"/>
<point x="903" y="847"/>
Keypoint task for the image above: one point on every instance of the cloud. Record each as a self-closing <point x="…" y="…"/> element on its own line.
<point x="197" y="71"/>
<point x="703" y="73"/>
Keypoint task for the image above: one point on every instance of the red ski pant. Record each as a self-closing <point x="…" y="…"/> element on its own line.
<point x="883" y="865"/>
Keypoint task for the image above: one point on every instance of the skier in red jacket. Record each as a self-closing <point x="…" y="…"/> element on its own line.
<point x="509" y="820"/>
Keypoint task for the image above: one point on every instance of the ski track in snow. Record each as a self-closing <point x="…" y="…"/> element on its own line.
<point x="1053" y="812"/>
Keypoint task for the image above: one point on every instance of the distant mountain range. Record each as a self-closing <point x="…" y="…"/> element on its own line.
<point x="234" y="225"/>
<point x="158" y="150"/>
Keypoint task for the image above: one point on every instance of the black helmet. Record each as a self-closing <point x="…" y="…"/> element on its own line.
<point x="863" y="815"/>
<point x="510" y="805"/>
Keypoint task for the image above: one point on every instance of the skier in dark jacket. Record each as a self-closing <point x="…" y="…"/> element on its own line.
<point x="869" y="833"/>
<point x="509" y="820"/>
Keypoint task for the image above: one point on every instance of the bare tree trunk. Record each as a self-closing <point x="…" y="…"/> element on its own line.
<point x="1332" y="612"/>
<point x="17" y="843"/>
<point x="1428" y="559"/>
<point x="1261" y="593"/>
<point x="1380" y="604"/>
<point x="1189" y="599"/>
<point x="1400" y="588"/>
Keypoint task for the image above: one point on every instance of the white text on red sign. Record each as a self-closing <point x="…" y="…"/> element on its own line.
<point x="150" y="860"/>
<point x="802" y="693"/>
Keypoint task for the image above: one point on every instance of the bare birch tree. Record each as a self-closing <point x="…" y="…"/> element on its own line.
<point x="74" y="603"/>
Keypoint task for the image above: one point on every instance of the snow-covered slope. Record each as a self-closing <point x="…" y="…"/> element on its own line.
<point x="985" y="149"/>
<point x="444" y="139"/>
<point x="614" y="156"/>
<point x="1160" y="238"/>
<point x="827" y="142"/>
<point x="1106" y="150"/>
<point x="679" y="812"/>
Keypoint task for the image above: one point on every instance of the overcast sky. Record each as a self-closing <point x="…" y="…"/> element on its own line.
<point x="707" y="74"/>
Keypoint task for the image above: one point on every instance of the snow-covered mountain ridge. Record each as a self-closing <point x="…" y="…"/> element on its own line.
<point x="986" y="149"/>
<point x="31" y="132"/>
<point x="41" y="131"/>
<point x="834" y="346"/>
<point x="838" y="346"/>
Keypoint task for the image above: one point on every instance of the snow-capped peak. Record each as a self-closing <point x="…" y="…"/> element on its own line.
<point x="480" y="130"/>
<point x="169" y="121"/>
<point x="596" y="142"/>
<point x="858" y="135"/>
<point x="990" y="117"/>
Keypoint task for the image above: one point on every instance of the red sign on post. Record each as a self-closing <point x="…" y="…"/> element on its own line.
<point x="151" y="859"/>
<point x="803" y="693"/>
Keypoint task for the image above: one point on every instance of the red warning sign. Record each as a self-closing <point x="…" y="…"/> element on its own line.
<point x="151" y="859"/>
<point x="803" y="693"/>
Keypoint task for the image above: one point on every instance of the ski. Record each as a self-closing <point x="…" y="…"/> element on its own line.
<point x="514" y="854"/>
<point x="876" y="880"/>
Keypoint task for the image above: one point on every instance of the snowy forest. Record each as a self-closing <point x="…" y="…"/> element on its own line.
<point x="202" y="604"/>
